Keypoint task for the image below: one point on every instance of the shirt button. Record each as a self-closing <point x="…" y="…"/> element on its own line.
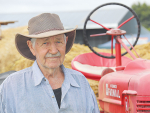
<point x="44" y="79"/>
<point x="52" y="96"/>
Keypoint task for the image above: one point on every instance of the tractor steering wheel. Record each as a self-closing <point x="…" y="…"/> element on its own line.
<point x="85" y="37"/>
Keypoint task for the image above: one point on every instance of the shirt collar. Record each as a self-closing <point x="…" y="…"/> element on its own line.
<point x="69" y="78"/>
<point x="38" y="76"/>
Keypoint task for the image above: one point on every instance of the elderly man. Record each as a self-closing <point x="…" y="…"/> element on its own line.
<point x="47" y="86"/>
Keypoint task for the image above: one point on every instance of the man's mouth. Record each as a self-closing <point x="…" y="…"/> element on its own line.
<point x="52" y="57"/>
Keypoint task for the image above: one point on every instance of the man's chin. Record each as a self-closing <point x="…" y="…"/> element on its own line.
<point x="52" y="59"/>
<point x="52" y="66"/>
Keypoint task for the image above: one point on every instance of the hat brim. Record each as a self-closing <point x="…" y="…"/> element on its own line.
<point x="22" y="47"/>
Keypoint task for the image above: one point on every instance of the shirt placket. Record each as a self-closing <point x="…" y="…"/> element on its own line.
<point x="65" y="88"/>
<point x="51" y="94"/>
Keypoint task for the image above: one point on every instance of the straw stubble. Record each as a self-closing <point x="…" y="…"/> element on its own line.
<point x="10" y="59"/>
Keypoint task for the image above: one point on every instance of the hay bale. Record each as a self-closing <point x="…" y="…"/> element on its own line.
<point x="8" y="52"/>
<point x="10" y="59"/>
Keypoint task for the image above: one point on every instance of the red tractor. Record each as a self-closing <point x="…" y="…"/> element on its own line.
<point x="124" y="90"/>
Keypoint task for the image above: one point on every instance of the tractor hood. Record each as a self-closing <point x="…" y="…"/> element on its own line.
<point x="140" y="82"/>
<point x="140" y="68"/>
<point x="133" y="80"/>
<point x="112" y="85"/>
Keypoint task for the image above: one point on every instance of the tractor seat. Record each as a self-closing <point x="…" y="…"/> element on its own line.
<point x="90" y="69"/>
<point x="92" y="65"/>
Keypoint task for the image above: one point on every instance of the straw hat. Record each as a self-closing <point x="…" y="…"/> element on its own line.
<point x="41" y="26"/>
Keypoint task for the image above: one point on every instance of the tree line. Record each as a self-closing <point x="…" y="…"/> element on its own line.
<point x="143" y="12"/>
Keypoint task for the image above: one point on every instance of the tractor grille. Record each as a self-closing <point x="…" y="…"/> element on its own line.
<point x="143" y="106"/>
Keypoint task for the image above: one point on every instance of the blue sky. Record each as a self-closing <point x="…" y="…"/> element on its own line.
<point x="15" y="6"/>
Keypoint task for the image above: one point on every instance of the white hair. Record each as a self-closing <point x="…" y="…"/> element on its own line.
<point x="65" y="38"/>
<point x="33" y="40"/>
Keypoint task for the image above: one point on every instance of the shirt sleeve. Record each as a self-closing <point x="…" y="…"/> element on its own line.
<point x="96" y="109"/>
<point x="1" y="105"/>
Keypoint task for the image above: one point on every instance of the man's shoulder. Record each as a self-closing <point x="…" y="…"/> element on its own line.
<point x="74" y="72"/>
<point x="78" y="76"/>
<point x="19" y="75"/>
<point x="80" y="79"/>
<point x="21" y="72"/>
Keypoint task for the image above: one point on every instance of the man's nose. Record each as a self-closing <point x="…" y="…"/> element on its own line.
<point x="53" y="49"/>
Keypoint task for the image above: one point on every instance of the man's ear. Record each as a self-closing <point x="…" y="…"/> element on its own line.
<point x="66" y="39"/>
<point x="29" y="43"/>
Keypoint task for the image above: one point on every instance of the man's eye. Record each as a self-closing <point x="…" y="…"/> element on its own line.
<point x="45" y="43"/>
<point x="58" y="42"/>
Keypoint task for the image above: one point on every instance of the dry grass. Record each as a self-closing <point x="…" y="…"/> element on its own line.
<point x="10" y="59"/>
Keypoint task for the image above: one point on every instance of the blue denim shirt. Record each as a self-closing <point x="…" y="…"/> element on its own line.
<point x="28" y="91"/>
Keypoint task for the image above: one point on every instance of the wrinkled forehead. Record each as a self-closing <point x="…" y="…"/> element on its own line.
<point x="56" y="37"/>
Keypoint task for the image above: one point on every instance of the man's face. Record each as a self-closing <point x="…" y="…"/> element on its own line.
<point x="49" y="52"/>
